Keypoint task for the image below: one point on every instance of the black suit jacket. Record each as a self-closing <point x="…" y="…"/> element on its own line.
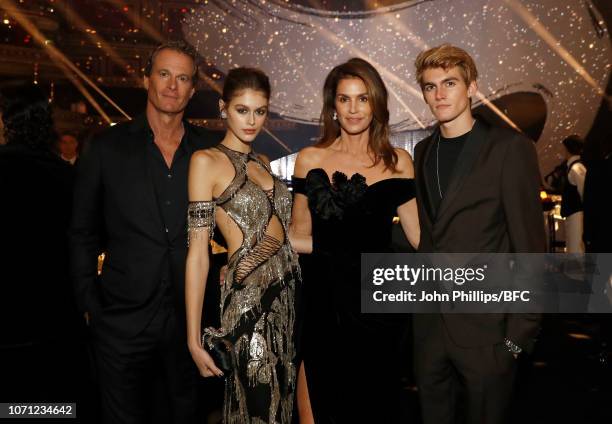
<point x="116" y="211"/>
<point x="491" y="205"/>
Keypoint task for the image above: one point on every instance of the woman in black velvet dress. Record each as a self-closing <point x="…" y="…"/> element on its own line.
<point x="347" y="189"/>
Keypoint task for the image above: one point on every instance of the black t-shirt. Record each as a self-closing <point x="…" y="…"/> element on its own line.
<point x="441" y="163"/>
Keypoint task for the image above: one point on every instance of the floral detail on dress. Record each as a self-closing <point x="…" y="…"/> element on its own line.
<point x="330" y="199"/>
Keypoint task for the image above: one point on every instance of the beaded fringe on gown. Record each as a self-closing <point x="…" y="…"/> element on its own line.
<point x="258" y="299"/>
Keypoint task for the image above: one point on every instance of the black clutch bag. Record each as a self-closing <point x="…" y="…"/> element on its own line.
<point x="221" y="351"/>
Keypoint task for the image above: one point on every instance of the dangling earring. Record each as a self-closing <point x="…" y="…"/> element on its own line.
<point x="335" y="116"/>
<point x="223" y="114"/>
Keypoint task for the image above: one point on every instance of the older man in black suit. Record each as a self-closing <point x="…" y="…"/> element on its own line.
<point x="131" y="201"/>
<point x="477" y="191"/>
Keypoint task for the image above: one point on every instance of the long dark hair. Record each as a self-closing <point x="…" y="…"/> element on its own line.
<point x="27" y="117"/>
<point x="377" y="93"/>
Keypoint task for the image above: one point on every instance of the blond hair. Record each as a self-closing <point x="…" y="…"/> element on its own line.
<point x="446" y="56"/>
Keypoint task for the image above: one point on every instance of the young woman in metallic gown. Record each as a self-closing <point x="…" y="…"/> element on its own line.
<point x="231" y="189"/>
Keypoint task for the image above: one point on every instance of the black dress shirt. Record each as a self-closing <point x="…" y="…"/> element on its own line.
<point x="169" y="186"/>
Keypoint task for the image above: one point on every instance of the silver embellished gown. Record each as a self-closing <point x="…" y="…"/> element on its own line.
<point x="258" y="299"/>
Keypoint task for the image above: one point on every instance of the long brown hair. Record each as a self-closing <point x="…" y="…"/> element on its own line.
<point x="377" y="94"/>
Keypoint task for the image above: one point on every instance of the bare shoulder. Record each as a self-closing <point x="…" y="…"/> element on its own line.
<point x="402" y="155"/>
<point x="205" y="171"/>
<point x="404" y="163"/>
<point x="205" y="158"/>
<point x="307" y="159"/>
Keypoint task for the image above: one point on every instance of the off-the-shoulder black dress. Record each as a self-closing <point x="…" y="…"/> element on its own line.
<point x="351" y="358"/>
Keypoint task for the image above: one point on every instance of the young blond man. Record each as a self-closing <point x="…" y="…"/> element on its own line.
<point x="477" y="191"/>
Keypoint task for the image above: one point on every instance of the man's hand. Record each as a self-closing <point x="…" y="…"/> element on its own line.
<point x="86" y="316"/>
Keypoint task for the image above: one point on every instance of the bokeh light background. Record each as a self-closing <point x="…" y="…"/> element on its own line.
<point x="297" y="45"/>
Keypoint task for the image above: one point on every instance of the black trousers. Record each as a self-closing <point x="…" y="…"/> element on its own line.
<point x="462" y="385"/>
<point x="149" y="378"/>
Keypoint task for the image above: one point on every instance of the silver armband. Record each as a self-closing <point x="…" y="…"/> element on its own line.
<point x="200" y="217"/>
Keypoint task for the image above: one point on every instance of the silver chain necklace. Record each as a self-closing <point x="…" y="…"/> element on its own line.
<point x="438" y="160"/>
<point x="438" y="165"/>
